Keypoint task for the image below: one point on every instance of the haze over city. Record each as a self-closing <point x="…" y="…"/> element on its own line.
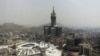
<point x="71" y="13"/>
<point x="49" y="27"/>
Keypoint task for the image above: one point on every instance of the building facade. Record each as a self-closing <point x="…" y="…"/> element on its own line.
<point x="52" y="30"/>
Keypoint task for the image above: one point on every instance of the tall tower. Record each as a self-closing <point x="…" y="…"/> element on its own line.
<point x="51" y="31"/>
<point x="53" y="18"/>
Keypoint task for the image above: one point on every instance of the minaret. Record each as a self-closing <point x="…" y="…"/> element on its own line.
<point x="53" y="18"/>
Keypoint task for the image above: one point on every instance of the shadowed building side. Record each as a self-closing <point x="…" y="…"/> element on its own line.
<point x="52" y="32"/>
<point x="53" y="18"/>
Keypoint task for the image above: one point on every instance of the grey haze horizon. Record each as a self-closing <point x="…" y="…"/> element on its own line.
<point x="71" y="13"/>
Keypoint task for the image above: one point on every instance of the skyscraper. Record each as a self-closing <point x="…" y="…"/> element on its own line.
<point x="52" y="30"/>
<point x="53" y="18"/>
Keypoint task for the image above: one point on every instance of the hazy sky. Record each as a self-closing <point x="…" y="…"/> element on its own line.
<point x="72" y="13"/>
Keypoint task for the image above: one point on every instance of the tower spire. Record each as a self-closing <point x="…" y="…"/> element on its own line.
<point x="53" y="12"/>
<point x="53" y="18"/>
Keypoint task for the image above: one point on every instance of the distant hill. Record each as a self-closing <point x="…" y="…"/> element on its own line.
<point x="9" y="27"/>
